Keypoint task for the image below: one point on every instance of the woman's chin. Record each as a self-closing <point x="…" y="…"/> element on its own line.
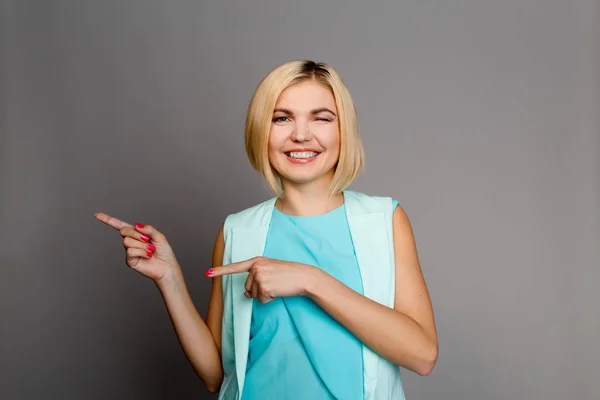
<point x="306" y="179"/>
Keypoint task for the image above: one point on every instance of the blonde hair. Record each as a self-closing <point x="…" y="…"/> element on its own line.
<point x="260" y="114"/>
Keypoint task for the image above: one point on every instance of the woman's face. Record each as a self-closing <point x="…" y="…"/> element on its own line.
<point x="304" y="140"/>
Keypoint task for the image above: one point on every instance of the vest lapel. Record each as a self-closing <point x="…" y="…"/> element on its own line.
<point x="247" y="242"/>
<point x="371" y="245"/>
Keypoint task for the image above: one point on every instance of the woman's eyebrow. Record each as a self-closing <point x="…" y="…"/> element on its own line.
<point x="322" y="109"/>
<point x="313" y="112"/>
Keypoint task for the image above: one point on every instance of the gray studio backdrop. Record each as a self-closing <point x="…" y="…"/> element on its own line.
<point x="479" y="116"/>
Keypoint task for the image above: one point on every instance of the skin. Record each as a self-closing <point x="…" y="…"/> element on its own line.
<point x="405" y="335"/>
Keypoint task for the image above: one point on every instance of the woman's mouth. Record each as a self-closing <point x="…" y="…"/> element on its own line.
<point x="301" y="157"/>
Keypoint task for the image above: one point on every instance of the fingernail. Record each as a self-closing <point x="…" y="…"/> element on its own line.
<point x="145" y="238"/>
<point x="139" y="226"/>
<point x="149" y="254"/>
<point x="152" y="248"/>
<point x="210" y="272"/>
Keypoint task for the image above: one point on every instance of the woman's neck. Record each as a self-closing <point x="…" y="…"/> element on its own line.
<point x="308" y="199"/>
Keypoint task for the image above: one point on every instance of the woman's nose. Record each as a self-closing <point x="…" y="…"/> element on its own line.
<point x="301" y="133"/>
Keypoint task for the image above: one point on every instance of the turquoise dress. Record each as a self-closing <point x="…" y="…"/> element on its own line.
<point x="296" y="350"/>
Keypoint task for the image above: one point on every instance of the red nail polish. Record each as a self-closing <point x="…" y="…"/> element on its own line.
<point x="139" y="226"/>
<point x="145" y="238"/>
<point x="149" y="254"/>
<point x="152" y="248"/>
<point x="210" y="272"/>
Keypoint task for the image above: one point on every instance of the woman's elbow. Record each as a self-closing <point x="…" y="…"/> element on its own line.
<point x="428" y="362"/>
<point x="213" y="387"/>
<point x="213" y="384"/>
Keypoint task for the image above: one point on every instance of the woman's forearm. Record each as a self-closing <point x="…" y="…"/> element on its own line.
<point x="386" y="331"/>
<point x="193" y="333"/>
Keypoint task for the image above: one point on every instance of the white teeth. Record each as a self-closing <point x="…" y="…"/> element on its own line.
<point x="303" y="154"/>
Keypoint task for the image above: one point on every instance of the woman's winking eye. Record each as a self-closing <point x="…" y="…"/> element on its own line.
<point x="286" y="119"/>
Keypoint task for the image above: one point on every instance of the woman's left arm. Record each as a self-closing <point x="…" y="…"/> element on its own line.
<point x="406" y="334"/>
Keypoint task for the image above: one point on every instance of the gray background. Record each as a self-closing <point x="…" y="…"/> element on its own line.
<point x="479" y="116"/>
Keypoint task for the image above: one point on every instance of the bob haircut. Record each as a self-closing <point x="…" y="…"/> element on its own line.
<point x="260" y="115"/>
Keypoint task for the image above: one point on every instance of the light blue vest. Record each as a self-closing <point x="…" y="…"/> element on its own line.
<point x="245" y="234"/>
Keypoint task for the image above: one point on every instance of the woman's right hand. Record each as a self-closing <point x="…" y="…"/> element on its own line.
<point x="147" y="250"/>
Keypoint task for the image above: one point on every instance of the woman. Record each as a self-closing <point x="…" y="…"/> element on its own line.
<point x="317" y="293"/>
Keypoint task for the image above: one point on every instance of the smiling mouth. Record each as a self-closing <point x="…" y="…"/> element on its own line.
<point x="301" y="155"/>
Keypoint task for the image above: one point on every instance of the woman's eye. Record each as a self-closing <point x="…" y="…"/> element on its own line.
<point x="323" y="119"/>
<point x="280" y="119"/>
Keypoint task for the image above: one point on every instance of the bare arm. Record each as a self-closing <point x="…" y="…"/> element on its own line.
<point x="200" y="341"/>
<point x="215" y="305"/>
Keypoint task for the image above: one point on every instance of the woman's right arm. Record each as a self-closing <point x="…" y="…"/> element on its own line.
<point x="200" y="341"/>
<point x="214" y="317"/>
<point x="149" y="253"/>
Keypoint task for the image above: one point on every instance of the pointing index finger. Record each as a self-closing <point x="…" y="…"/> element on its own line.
<point x="111" y="221"/>
<point x="233" y="268"/>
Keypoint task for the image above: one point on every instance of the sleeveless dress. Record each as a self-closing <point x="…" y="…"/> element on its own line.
<point x="296" y="350"/>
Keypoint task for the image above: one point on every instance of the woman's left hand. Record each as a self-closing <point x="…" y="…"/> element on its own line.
<point x="268" y="278"/>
